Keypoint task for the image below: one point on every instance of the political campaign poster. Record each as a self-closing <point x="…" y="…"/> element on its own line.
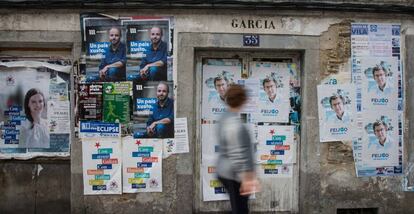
<point x="130" y="48"/>
<point x="98" y="129"/>
<point x="213" y="189"/>
<point x="116" y="101"/>
<point x="102" y="166"/>
<point x="379" y="83"/>
<point x="218" y="74"/>
<point x="209" y="145"/>
<point x="273" y="98"/>
<point x="27" y="120"/>
<point x="337" y="112"/>
<point x="275" y="146"/>
<point x="377" y="73"/>
<point x="380" y="139"/>
<point x="143" y="36"/>
<point x="90" y="101"/>
<point x="153" y="110"/>
<point x="142" y="165"/>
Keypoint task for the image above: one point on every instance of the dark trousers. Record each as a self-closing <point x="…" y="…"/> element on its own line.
<point x="239" y="203"/>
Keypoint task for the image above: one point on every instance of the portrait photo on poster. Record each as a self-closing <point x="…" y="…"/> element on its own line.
<point x="381" y="140"/>
<point x="149" y="49"/>
<point x="153" y="109"/>
<point x="379" y="83"/>
<point x="273" y="92"/>
<point x="103" y="48"/>
<point x="337" y="112"/>
<point x="218" y="75"/>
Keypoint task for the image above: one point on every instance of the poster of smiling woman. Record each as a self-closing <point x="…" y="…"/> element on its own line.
<point x="337" y="107"/>
<point x="34" y="108"/>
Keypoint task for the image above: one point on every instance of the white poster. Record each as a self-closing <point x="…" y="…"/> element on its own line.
<point x="213" y="190"/>
<point x="380" y="139"/>
<point x="276" y="145"/>
<point x="273" y="97"/>
<point x="377" y="73"/>
<point x="252" y="86"/>
<point x="142" y="165"/>
<point x="25" y="117"/>
<point x="218" y="74"/>
<point x="209" y="142"/>
<point x="337" y="112"/>
<point x="379" y="83"/>
<point x="101" y="166"/>
<point x="181" y="135"/>
<point x="59" y="117"/>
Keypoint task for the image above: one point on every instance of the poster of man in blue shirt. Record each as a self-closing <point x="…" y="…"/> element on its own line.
<point x="337" y="103"/>
<point x="380" y="132"/>
<point x="161" y="123"/>
<point x="112" y="66"/>
<point x="153" y="66"/>
<point x="380" y="75"/>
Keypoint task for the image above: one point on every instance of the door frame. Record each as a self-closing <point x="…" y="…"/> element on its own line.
<point x="187" y="83"/>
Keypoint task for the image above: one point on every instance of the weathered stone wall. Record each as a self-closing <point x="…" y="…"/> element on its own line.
<point x="327" y="174"/>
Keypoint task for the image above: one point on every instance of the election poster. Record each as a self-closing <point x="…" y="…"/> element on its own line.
<point x="102" y="166"/>
<point x="116" y="101"/>
<point x="380" y="139"/>
<point x="142" y="36"/>
<point x="218" y="74"/>
<point x="142" y="165"/>
<point x="213" y="189"/>
<point x="379" y="82"/>
<point x="337" y="112"/>
<point x="129" y="48"/>
<point x="153" y="102"/>
<point x="273" y="97"/>
<point x="30" y="122"/>
<point x="90" y="101"/>
<point x="276" y="149"/>
<point x="377" y="73"/>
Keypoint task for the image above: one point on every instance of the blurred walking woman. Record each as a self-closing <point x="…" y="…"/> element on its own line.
<point x="236" y="162"/>
<point x="34" y="132"/>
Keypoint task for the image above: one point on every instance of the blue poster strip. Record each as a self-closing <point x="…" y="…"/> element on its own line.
<point x="144" y="164"/>
<point x="274" y="142"/>
<point x="104" y="166"/>
<point x="219" y="190"/>
<point x="270" y="171"/>
<point x="277" y="152"/>
<point x="11" y="141"/>
<point x="141" y="154"/>
<point x="99" y="129"/>
<point x="98" y="187"/>
<point x="101" y="156"/>
<point x="138" y="186"/>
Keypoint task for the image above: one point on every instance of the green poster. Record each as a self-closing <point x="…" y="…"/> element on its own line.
<point x="117" y="97"/>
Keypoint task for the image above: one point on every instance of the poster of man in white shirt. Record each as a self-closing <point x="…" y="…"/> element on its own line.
<point x="273" y="96"/>
<point x="380" y="140"/>
<point x="379" y="83"/>
<point x="337" y="107"/>
<point x="218" y="74"/>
